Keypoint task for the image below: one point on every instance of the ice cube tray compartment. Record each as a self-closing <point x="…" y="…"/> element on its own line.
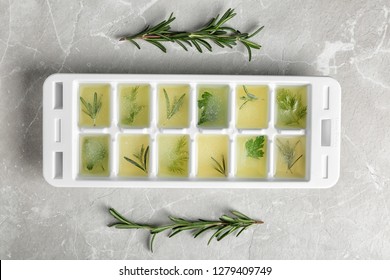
<point x="318" y="139"/>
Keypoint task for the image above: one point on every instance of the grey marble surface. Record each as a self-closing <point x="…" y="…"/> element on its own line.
<point x="348" y="40"/>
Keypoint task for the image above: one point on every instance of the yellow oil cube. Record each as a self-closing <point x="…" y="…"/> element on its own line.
<point x="134" y="155"/>
<point x="94" y="105"/>
<point x="251" y="107"/>
<point x="251" y="156"/>
<point x="212" y="155"/>
<point x="134" y="106"/>
<point x="290" y="156"/>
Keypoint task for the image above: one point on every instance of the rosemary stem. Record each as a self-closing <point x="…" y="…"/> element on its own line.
<point x="197" y="223"/>
<point x="295" y="162"/>
<point x="243" y="104"/>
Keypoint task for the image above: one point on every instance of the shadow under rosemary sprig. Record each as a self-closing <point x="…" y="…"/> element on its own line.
<point x="223" y="227"/>
<point x="215" y="31"/>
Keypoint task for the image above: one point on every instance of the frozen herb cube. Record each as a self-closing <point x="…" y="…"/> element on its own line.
<point x="134" y="107"/>
<point x="291" y="107"/>
<point x="173" y="106"/>
<point x="94" y="155"/>
<point x="134" y="155"/>
<point x="251" y="156"/>
<point x="212" y="155"/>
<point x="251" y="107"/>
<point x="213" y="106"/>
<point x="290" y="152"/>
<point x="173" y="155"/>
<point x="94" y="105"/>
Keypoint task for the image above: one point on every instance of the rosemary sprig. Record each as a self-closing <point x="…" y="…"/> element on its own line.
<point x="288" y="153"/>
<point x="223" y="227"/>
<point x="178" y="157"/>
<point x="142" y="157"/>
<point x="133" y="108"/>
<point x="220" y="167"/>
<point x="92" y="110"/>
<point x="248" y="97"/>
<point x="215" y="31"/>
<point x="176" y="105"/>
<point x="291" y="107"/>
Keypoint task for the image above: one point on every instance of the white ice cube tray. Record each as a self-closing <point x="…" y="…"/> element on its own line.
<point x="61" y="131"/>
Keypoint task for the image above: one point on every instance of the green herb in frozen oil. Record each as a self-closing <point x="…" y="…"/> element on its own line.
<point x="220" y="167"/>
<point x="178" y="157"/>
<point x="291" y="108"/>
<point x="92" y="109"/>
<point x="254" y="147"/>
<point x="247" y="97"/>
<point x="133" y="109"/>
<point x="176" y="104"/>
<point x="288" y="153"/>
<point x="94" y="153"/>
<point x="209" y="108"/>
<point x="142" y="157"/>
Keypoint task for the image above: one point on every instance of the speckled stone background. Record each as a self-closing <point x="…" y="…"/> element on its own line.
<point x="348" y="40"/>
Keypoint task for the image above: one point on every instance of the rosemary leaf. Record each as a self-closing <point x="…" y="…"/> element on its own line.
<point x="219" y="230"/>
<point x="132" y="107"/>
<point x="221" y="168"/>
<point x="152" y="241"/>
<point x="134" y="163"/>
<point x="146" y="157"/>
<point x="196" y="234"/>
<point x="158" y="45"/>
<point x="176" y="105"/>
<point x="240" y="231"/>
<point x="167" y="103"/>
<point x="227" y="231"/>
<point x="239" y="215"/>
<point x="119" y="217"/>
<point x="177" y="220"/>
<point x="225" y="218"/>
